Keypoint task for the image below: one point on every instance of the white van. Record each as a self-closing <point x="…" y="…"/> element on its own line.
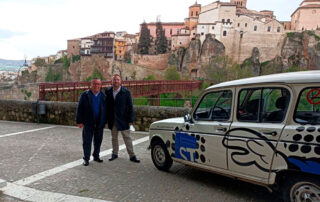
<point x="265" y="130"/>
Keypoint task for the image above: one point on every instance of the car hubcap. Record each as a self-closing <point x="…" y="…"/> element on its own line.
<point x="159" y="155"/>
<point x="305" y="192"/>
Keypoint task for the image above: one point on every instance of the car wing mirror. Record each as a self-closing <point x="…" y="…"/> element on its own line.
<point x="187" y="118"/>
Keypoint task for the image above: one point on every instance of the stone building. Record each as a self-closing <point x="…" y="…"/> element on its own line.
<point x="241" y="29"/>
<point x="192" y="20"/>
<point x="73" y="47"/>
<point x="170" y="28"/>
<point x="307" y="16"/>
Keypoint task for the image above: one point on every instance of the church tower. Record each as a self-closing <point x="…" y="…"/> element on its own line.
<point x="240" y="3"/>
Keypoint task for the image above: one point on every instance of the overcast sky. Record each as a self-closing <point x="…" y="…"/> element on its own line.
<point x="34" y="28"/>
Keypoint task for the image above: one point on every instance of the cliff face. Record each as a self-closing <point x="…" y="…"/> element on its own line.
<point x="196" y="56"/>
<point x="191" y="57"/>
<point x="211" y="48"/>
<point x="302" y="50"/>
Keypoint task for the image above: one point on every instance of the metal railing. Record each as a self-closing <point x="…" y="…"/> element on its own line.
<point x="70" y="91"/>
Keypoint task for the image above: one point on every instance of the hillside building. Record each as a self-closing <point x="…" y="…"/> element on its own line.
<point x="307" y="16"/>
<point x="241" y="29"/>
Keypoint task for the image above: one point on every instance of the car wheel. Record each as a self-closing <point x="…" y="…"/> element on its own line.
<point x="301" y="189"/>
<point x="160" y="156"/>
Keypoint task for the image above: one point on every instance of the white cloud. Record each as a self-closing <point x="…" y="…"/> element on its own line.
<point x="47" y="25"/>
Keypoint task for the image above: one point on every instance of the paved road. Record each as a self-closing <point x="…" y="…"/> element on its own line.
<point x="43" y="163"/>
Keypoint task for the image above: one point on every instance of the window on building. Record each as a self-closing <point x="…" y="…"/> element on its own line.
<point x="246" y="25"/>
<point x="255" y="28"/>
<point x="222" y="20"/>
<point x="197" y="13"/>
<point x="238" y="24"/>
<point x="228" y="21"/>
<point x="278" y="29"/>
<point x="212" y="27"/>
<point x="170" y="31"/>
<point x="224" y="33"/>
<point x="269" y="29"/>
<point x="191" y="13"/>
<point x="202" y="27"/>
<point x="202" y="33"/>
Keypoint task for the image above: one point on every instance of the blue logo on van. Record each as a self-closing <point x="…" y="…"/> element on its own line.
<point x="306" y="165"/>
<point x="185" y="147"/>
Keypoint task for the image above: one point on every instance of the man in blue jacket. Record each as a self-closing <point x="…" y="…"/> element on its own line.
<point x="91" y="116"/>
<point x="120" y="116"/>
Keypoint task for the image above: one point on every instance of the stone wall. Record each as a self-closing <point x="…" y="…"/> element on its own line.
<point x="239" y="49"/>
<point x="84" y="68"/>
<point x="159" y="62"/>
<point x="63" y="113"/>
<point x="19" y="92"/>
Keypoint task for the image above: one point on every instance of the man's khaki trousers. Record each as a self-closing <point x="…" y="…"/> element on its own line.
<point x="126" y="138"/>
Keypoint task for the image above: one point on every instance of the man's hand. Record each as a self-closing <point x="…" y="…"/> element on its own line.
<point x="80" y="125"/>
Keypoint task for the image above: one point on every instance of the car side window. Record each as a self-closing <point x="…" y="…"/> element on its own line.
<point x="308" y="106"/>
<point x="214" y="106"/>
<point x="263" y="105"/>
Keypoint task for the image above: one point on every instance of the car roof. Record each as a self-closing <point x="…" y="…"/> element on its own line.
<point x="285" y="78"/>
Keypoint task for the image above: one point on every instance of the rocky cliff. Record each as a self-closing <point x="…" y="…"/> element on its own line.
<point x="192" y="59"/>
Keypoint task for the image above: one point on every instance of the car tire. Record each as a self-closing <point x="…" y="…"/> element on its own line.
<point x="301" y="188"/>
<point x="160" y="156"/>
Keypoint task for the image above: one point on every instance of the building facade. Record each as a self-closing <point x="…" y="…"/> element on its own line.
<point x="73" y="47"/>
<point x="307" y="16"/>
<point x="120" y="48"/>
<point x="241" y="29"/>
<point x="170" y="28"/>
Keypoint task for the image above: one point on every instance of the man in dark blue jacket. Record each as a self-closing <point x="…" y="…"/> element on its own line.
<point x="91" y="116"/>
<point x="120" y="116"/>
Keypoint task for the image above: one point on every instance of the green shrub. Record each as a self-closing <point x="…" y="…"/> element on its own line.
<point x="75" y="58"/>
<point x="95" y="74"/>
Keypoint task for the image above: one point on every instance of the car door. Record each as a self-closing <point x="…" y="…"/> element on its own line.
<point x="211" y="120"/>
<point x="258" y="123"/>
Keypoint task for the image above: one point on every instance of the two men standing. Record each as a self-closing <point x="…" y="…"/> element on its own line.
<point x="96" y="109"/>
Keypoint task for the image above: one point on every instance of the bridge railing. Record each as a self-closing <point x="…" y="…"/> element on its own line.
<point x="70" y="91"/>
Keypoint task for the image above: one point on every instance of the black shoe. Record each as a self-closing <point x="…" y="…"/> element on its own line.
<point x="85" y="162"/>
<point x="98" y="160"/>
<point x="134" y="159"/>
<point x="113" y="157"/>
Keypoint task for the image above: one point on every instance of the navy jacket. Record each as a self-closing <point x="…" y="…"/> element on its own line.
<point x="85" y="111"/>
<point x="119" y="110"/>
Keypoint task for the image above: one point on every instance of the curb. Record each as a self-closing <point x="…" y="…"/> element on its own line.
<point x="3" y="183"/>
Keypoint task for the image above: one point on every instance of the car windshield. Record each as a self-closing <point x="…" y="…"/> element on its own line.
<point x="308" y="107"/>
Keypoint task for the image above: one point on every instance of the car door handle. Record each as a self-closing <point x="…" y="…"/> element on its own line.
<point x="273" y="133"/>
<point x="222" y="129"/>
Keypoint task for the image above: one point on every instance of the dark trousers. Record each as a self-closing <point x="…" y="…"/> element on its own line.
<point x="87" y="134"/>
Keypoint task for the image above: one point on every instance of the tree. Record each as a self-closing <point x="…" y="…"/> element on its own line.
<point x="161" y="40"/>
<point x="52" y="77"/>
<point x="171" y="73"/>
<point x="144" y="40"/>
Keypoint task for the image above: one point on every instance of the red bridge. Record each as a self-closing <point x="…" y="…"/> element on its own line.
<point x="70" y="91"/>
